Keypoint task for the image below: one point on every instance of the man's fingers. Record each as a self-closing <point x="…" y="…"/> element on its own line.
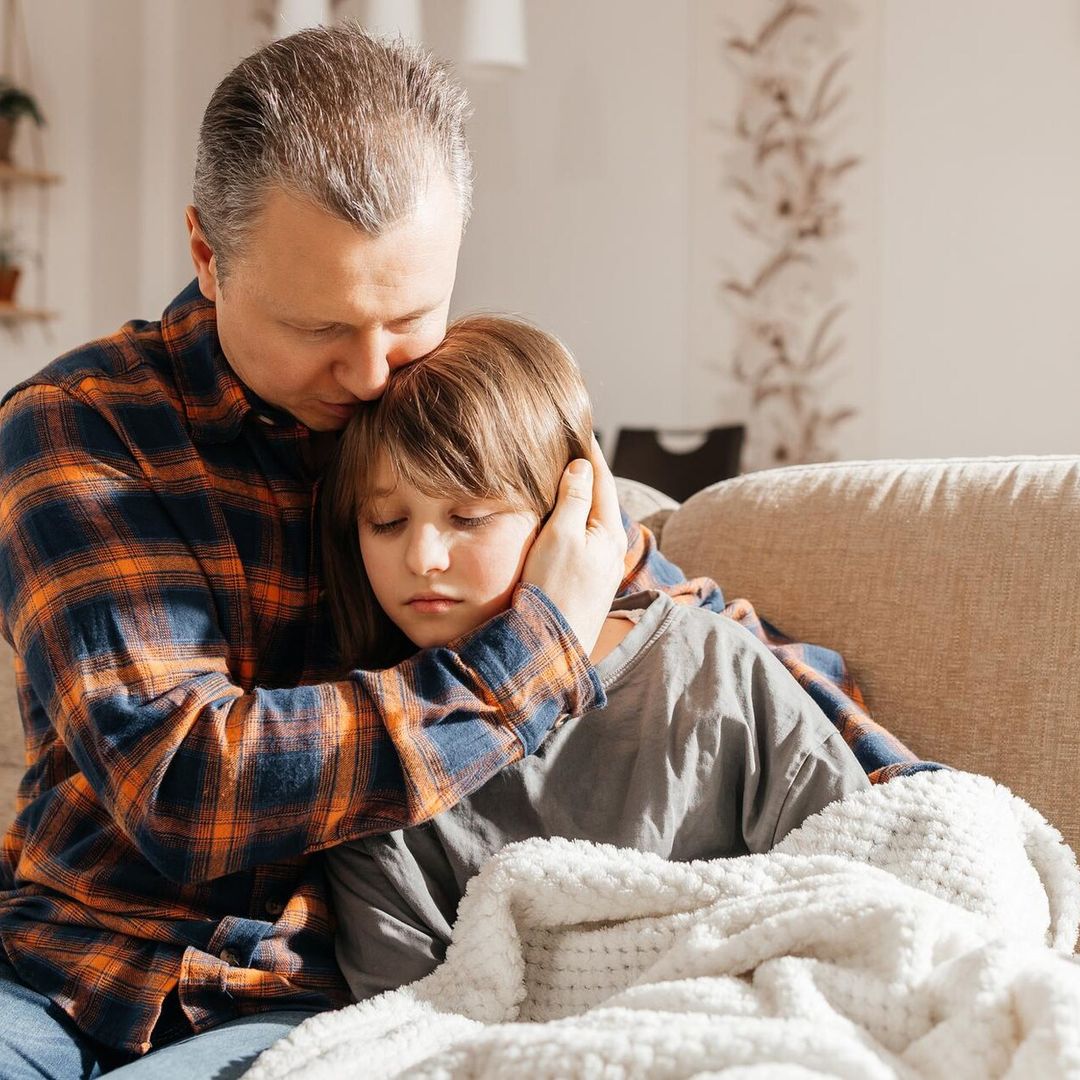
<point x="577" y="559"/>
<point x="575" y="496"/>
<point x="605" y="498"/>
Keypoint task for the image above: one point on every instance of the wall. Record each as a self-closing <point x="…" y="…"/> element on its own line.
<point x="582" y="198"/>
<point x="592" y="211"/>
<point x="123" y="84"/>
<point x="738" y="132"/>
<point x="62" y="80"/>
<point x="979" y="333"/>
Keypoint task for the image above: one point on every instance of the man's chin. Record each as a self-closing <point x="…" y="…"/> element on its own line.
<point x="320" y="421"/>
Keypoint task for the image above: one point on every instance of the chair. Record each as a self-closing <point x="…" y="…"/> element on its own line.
<point x="640" y="456"/>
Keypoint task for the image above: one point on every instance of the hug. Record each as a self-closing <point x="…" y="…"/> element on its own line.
<point x="323" y="603"/>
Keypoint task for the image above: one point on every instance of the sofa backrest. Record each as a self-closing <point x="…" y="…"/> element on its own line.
<point x="952" y="588"/>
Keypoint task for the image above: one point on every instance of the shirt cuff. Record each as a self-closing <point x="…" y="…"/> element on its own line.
<point x="534" y="666"/>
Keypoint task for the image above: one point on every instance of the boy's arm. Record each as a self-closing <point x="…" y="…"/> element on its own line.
<point x="828" y="773"/>
<point x="821" y="671"/>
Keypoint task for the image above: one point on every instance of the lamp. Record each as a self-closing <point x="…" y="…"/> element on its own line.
<point x="394" y="18"/>
<point x="494" y="34"/>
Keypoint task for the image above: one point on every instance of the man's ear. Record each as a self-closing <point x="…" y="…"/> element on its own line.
<point x="201" y="255"/>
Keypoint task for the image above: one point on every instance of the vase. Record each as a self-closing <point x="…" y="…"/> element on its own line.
<point x="9" y="278"/>
<point x="7" y="136"/>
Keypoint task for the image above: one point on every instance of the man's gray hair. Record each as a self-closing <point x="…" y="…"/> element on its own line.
<point x="353" y="123"/>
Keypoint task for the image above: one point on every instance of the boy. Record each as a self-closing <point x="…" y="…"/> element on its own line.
<point x="706" y="748"/>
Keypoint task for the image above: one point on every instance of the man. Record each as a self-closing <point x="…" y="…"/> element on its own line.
<point x="161" y="587"/>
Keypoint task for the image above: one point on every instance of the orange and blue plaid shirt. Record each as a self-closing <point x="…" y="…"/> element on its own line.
<point x="188" y="746"/>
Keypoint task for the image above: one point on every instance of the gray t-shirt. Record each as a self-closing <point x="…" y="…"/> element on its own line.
<point x="707" y="748"/>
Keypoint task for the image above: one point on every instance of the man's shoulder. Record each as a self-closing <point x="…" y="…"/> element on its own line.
<point x="130" y="361"/>
<point x="139" y="363"/>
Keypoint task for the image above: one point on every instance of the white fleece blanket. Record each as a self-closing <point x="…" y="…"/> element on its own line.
<point x="920" y="929"/>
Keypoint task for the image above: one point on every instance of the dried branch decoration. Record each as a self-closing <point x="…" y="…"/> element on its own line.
<point x="787" y="175"/>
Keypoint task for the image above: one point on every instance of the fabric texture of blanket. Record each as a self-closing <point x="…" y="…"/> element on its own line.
<point x="923" y="928"/>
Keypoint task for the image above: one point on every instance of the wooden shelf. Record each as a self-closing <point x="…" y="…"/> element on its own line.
<point x="13" y="174"/>
<point x="13" y="313"/>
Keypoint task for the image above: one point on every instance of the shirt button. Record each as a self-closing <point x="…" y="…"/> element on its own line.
<point x="274" y="908"/>
<point x="264" y="419"/>
<point x="229" y="957"/>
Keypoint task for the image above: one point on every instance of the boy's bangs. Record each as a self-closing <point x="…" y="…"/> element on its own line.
<point x="440" y="468"/>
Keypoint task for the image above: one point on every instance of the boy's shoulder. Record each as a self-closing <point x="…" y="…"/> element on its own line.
<point x="654" y="621"/>
<point x="691" y="654"/>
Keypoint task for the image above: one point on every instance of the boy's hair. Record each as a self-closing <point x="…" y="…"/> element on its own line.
<point x="497" y="410"/>
<point x="354" y="123"/>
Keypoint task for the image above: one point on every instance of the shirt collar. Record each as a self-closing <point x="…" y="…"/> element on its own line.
<point x="216" y="403"/>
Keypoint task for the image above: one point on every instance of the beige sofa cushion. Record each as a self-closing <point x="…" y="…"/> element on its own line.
<point x="952" y="588"/>
<point x="645" y="504"/>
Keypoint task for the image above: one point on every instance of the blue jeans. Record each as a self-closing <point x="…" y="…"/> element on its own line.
<point x="38" y="1041"/>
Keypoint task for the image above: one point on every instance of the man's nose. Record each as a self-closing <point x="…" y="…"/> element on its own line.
<point x="365" y="368"/>
<point x="427" y="552"/>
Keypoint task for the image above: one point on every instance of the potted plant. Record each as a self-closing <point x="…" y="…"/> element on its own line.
<point x="9" y="266"/>
<point x="15" y="103"/>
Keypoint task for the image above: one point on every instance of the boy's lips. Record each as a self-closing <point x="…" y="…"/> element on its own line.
<point x="431" y="603"/>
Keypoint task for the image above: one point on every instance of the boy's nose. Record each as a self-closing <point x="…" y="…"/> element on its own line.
<point x="428" y="552"/>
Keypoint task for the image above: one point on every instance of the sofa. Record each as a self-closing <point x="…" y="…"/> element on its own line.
<point x="951" y="587"/>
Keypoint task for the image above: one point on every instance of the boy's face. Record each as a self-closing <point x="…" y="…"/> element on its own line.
<point x="441" y="567"/>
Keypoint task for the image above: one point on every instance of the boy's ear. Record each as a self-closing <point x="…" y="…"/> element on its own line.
<point x="201" y="255"/>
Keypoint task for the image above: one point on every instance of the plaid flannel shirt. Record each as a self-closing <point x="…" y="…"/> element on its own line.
<point x="187" y="748"/>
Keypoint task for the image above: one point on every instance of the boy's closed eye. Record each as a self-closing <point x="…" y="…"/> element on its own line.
<point x="471" y="517"/>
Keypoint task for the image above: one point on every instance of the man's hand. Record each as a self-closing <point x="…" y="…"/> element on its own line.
<point x="578" y="557"/>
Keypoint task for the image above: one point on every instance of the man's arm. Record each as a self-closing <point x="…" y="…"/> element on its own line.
<point x="645" y="568"/>
<point x="112" y="609"/>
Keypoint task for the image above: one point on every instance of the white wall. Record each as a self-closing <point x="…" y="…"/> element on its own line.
<point x="581" y="208"/>
<point x="721" y="250"/>
<point x="979" y="330"/>
<point x="589" y="194"/>
<point x="123" y="84"/>
<point x="62" y="82"/>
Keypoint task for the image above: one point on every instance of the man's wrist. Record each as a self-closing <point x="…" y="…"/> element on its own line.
<point x="533" y="665"/>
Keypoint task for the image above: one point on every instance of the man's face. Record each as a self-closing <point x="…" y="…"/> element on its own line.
<point x="440" y="568"/>
<point x="315" y="313"/>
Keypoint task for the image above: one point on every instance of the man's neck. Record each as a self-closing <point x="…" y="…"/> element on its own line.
<point x="319" y="449"/>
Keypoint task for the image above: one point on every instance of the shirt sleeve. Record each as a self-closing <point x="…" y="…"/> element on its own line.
<point x="115" y="611"/>
<point x="646" y="569"/>
<point x="829" y="772"/>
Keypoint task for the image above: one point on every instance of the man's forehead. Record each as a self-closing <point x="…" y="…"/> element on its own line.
<point x="304" y="261"/>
